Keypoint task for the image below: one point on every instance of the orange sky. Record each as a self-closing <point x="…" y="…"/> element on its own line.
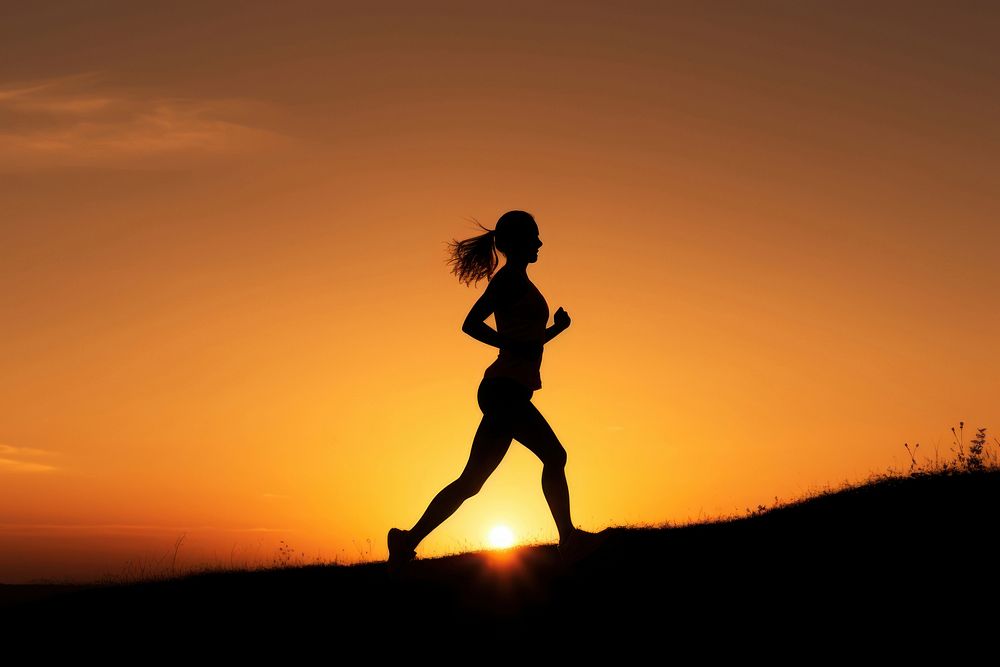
<point x="226" y="312"/>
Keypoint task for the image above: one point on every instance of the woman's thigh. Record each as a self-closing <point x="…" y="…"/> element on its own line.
<point x="532" y="430"/>
<point x="489" y="446"/>
<point x="509" y="402"/>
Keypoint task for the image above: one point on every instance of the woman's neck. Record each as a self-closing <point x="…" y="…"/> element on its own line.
<point x="520" y="268"/>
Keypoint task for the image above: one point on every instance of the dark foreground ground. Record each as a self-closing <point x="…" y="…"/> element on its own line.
<point x="900" y="563"/>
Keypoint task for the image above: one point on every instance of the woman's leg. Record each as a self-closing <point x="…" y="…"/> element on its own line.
<point x="490" y="445"/>
<point x="533" y="431"/>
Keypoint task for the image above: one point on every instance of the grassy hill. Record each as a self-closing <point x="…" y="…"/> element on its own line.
<point x="887" y="559"/>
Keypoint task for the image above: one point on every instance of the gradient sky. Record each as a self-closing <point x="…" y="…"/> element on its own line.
<point x="226" y="315"/>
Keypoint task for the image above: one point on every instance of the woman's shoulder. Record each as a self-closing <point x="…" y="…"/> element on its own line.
<point x="507" y="287"/>
<point x="511" y="277"/>
<point x="504" y="279"/>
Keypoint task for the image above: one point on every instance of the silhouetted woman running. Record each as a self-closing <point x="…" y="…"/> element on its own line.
<point x="505" y="392"/>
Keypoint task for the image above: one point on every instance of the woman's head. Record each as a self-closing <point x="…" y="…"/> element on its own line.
<point x="516" y="236"/>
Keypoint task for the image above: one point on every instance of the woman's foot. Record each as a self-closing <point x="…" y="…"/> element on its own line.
<point x="579" y="544"/>
<point x="400" y="549"/>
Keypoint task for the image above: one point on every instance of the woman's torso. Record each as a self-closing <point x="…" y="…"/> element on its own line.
<point x="522" y="318"/>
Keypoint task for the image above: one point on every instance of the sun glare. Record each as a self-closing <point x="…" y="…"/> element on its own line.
<point x="501" y="537"/>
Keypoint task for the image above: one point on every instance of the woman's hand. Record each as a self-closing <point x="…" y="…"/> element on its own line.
<point x="561" y="318"/>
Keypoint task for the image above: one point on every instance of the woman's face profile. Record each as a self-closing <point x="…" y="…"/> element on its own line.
<point x="527" y="245"/>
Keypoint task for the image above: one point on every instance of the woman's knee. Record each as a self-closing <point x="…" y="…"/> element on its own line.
<point x="467" y="487"/>
<point x="557" y="458"/>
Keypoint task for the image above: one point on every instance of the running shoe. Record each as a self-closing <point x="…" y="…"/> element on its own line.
<point x="579" y="545"/>
<point x="400" y="551"/>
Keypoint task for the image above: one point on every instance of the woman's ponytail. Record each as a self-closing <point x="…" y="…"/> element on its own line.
<point x="475" y="258"/>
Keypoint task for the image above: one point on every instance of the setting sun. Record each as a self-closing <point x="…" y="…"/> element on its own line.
<point x="501" y="537"/>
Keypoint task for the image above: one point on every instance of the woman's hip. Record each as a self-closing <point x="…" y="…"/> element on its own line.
<point x="500" y="393"/>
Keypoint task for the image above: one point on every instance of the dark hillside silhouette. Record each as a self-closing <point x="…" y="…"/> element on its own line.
<point x="869" y="561"/>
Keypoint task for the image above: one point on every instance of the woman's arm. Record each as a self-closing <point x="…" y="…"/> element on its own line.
<point x="497" y="293"/>
<point x="487" y="334"/>
<point x="484" y="333"/>
<point x="561" y="319"/>
<point x="553" y="331"/>
<point x="476" y="327"/>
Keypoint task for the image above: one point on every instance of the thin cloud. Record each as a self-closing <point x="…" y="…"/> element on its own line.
<point x="81" y="120"/>
<point x="13" y="465"/>
<point x="53" y="97"/>
<point x="23" y="451"/>
<point x="14" y="460"/>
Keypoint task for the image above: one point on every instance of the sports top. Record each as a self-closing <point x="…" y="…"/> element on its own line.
<point x="522" y="318"/>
